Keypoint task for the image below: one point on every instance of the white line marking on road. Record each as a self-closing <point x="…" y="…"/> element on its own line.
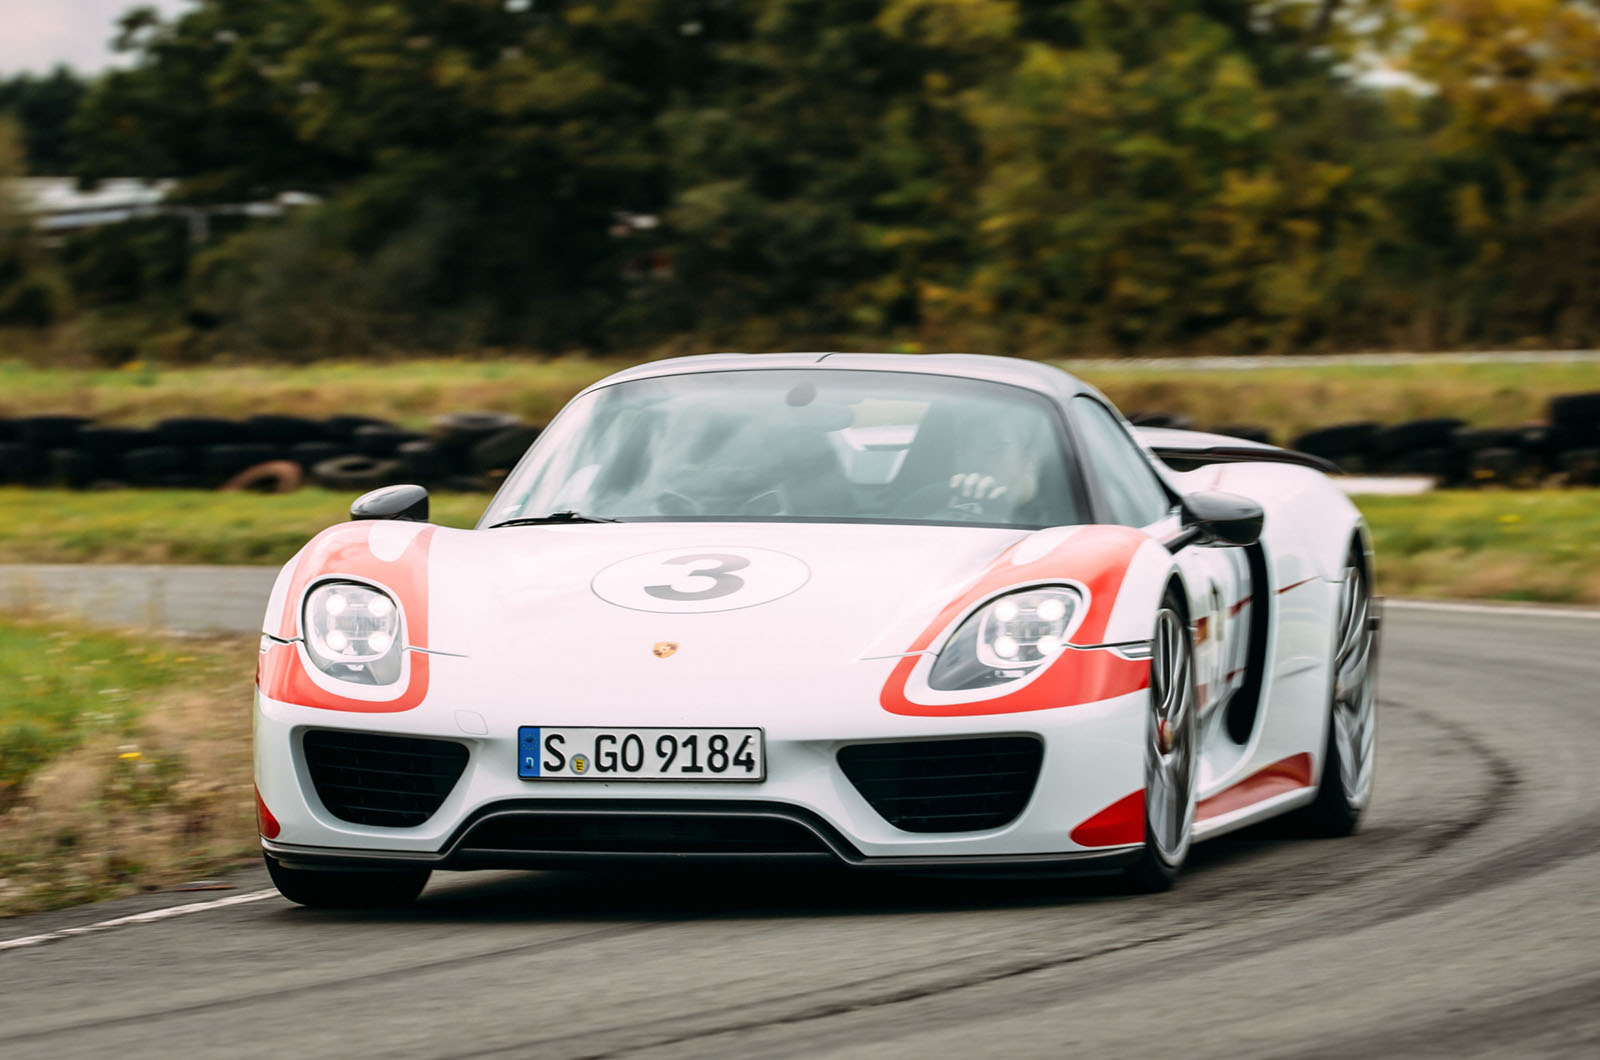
<point x="1501" y="610"/>
<point x="138" y="918"/>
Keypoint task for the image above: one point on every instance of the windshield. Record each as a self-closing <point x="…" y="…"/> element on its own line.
<point x="808" y="444"/>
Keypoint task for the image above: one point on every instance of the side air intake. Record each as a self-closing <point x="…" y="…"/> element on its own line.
<point x="967" y="785"/>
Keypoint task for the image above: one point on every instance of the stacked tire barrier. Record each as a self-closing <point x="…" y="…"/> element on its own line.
<point x="471" y="451"/>
<point x="467" y="451"/>
<point x="1563" y="451"/>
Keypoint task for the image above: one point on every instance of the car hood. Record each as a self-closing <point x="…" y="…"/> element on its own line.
<point x="571" y="606"/>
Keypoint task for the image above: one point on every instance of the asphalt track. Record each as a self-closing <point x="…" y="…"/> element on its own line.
<point x="1464" y="920"/>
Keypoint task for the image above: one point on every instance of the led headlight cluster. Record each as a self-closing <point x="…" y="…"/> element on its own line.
<point x="1007" y="639"/>
<point x="353" y="633"/>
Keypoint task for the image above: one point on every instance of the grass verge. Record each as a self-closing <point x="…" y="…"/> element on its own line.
<point x="1287" y="400"/>
<point x="180" y="526"/>
<point x="124" y="762"/>
<point x="1536" y="545"/>
<point x="1480" y="544"/>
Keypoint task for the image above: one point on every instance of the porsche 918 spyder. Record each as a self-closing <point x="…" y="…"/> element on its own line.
<point x="902" y="612"/>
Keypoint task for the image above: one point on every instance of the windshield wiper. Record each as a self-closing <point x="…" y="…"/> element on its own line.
<point x="553" y="517"/>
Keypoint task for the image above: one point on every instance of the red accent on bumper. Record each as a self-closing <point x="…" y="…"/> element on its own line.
<point x="266" y="824"/>
<point x="1288" y="774"/>
<point x="1119" y="824"/>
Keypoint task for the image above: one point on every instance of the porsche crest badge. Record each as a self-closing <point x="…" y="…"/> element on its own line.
<point x="664" y="648"/>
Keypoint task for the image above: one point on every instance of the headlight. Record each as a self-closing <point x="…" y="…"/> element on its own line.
<point x="1007" y="639"/>
<point x="353" y="633"/>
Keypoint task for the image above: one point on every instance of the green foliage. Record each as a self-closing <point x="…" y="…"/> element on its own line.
<point x="32" y="294"/>
<point x="1106" y="175"/>
<point x="65" y="687"/>
<point x="42" y="107"/>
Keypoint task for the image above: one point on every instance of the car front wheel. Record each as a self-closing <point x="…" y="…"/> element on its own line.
<point x="1171" y="749"/>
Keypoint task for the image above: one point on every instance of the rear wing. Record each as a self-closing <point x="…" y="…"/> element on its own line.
<point x="1187" y="450"/>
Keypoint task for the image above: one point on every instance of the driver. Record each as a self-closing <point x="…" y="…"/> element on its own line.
<point x="997" y="474"/>
<point x="986" y="469"/>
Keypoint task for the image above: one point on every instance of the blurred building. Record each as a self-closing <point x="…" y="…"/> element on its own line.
<point x="57" y="205"/>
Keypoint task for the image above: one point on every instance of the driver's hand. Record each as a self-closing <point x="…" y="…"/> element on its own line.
<point x="970" y="491"/>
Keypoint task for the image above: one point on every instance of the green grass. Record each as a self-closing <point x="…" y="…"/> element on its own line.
<point x="1537" y="545"/>
<point x="124" y="761"/>
<point x="176" y="526"/>
<point x="1288" y="400"/>
<point x="1292" y="400"/>
<point x="409" y="392"/>
<point x="1490" y="544"/>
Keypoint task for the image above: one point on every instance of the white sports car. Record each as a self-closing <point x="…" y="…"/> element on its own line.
<point x="935" y="612"/>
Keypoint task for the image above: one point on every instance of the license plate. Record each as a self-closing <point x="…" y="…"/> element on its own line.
<point x="546" y="752"/>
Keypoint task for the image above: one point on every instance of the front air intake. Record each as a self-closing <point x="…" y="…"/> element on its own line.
<point x="964" y="785"/>
<point x="642" y="833"/>
<point x="373" y="779"/>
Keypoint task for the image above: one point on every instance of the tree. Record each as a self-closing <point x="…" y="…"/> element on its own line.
<point x="30" y="293"/>
<point x="43" y="107"/>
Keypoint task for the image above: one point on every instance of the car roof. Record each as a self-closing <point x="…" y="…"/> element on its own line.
<point x="1032" y="375"/>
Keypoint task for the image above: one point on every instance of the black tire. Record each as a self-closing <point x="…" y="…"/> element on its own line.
<point x="342" y="428"/>
<point x="148" y="466"/>
<point x="1444" y="464"/>
<point x="334" y="889"/>
<point x="50" y="432"/>
<point x="8" y="429"/>
<point x="501" y="450"/>
<point x="74" y="469"/>
<point x="282" y="430"/>
<point x="463" y="430"/>
<point x="1158" y="863"/>
<point x="1402" y="438"/>
<point x="20" y="464"/>
<point x="113" y="441"/>
<point x="1341" y="440"/>
<point x="355" y="473"/>
<point x="309" y="454"/>
<point x="1334" y="813"/>
<point x="1581" y="467"/>
<point x="381" y="441"/>
<point x="195" y="431"/>
<point x="1472" y="439"/>
<point x="424" y="461"/>
<point x="1500" y="467"/>
<point x="225" y="461"/>
<point x="1577" y="414"/>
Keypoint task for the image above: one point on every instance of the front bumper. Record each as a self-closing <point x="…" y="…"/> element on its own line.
<point x="1093" y="757"/>
<point x="466" y="852"/>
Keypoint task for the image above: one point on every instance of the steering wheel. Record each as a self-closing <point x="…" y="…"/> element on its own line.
<point x="968" y="497"/>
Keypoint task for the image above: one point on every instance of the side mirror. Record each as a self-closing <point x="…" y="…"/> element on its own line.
<point x="1225" y="518"/>
<point x="409" y="503"/>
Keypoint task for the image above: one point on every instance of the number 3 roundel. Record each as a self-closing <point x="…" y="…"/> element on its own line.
<point x="696" y="580"/>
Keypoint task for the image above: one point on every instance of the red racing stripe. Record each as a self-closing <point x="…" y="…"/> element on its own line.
<point x="344" y="551"/>
<point x="1098" y="557"/>
<point x="1296" y="585"/>
<point x="1119" y="824"/>
<point x="1287" y="774"/>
